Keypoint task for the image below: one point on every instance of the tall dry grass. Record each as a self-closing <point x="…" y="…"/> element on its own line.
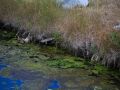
<point x="29" y="15"/>
<point x="85" y="32"/>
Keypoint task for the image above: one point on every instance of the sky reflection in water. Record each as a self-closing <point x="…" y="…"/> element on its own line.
<point x="7" y="83"/>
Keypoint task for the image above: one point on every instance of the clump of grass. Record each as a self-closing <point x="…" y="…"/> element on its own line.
<point x="67" y="62"/>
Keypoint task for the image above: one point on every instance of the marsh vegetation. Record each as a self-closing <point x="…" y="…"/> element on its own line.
<point x="85" y="32"/>
<point x="40" y="35"/>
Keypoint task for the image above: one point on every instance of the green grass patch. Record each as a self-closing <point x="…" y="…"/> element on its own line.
<point x="66" y="62"/>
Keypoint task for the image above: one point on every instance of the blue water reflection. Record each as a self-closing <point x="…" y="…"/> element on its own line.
<point x="2" y="66"/>
<point x="54" y="84"/>
<point x="9" y="84"/>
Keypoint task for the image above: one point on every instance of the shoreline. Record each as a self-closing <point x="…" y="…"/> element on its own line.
<point x="24" y="36"/>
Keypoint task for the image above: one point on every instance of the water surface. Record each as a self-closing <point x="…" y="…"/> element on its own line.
<point x="9" y="83"/>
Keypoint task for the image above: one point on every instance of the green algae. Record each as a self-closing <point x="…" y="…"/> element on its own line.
<point x="66" y="62"/>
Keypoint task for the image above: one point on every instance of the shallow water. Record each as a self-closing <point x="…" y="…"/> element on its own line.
<point x="2" y="66"/>
<point x="29" y="79"/>
<point x="26" y="67"/>
<point x="9" y="83"/>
